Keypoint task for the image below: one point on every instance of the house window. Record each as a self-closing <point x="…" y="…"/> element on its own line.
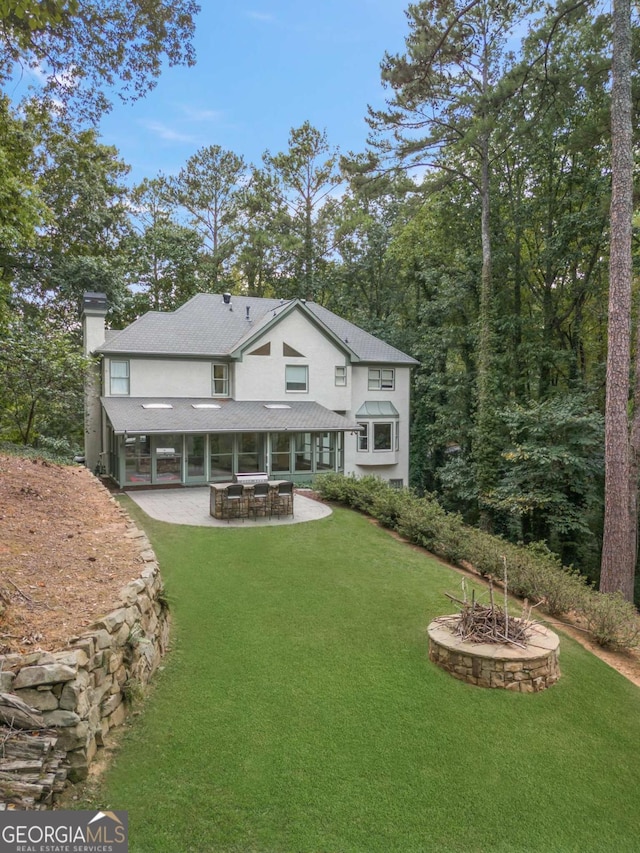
<point x="137" y="459"/>
<point x="341" y="374"/>
<point x="249" y="444"/>
<point x="382" y="379"/>
<point x="303" y="451"/>
<point x="382" y="436"/>
<point x="297" y="377"/>
<point x="325" y="451"/>
<point x="119" y="377"/>
<point x="220" y="380"/>
<point x="221" y="447"/>
<point x="280" y="452"/>
<point x="363" y="436"/>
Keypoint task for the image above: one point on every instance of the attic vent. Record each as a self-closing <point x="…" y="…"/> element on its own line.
<point x="157" y="406"/>
<point x="265" y="349"/>
<point x="205" y="406"/>
<point x="290" y="351"/>
<point x="276" y="406"/>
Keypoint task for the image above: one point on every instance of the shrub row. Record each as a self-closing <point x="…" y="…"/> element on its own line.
<point x="52" y="450"/>
<point x="532" y="571"/>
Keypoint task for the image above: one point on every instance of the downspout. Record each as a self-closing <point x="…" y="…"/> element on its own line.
<point x="94" y="312"/>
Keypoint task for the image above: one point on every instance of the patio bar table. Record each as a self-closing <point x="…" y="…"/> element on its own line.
<point x="217" y="493"/>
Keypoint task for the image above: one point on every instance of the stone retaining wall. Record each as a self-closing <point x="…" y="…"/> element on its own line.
<point x="79" y="693"/>
<point x="495" y="665"/>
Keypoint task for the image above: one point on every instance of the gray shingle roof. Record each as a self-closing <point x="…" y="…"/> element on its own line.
<point x="128" y="415"/>
<point x="206" y="326"/>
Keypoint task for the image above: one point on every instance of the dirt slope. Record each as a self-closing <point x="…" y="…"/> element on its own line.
<point x="63" y="553"/>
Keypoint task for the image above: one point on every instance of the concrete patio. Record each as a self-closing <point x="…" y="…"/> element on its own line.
<point x="191" y="506"/>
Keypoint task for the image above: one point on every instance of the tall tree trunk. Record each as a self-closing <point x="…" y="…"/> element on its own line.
<point x="308" y="252"/>
<point x="484" y="341"/>
<point x="485" y="450"/>
<point x="519" y="376"/>
<point x="619" y="538"/>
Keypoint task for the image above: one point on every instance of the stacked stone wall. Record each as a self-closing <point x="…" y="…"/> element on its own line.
<point x="527" y="670"/>
<point x="81" y="692"/>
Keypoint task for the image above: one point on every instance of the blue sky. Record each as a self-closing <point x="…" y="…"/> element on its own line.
<point x="263" y="67"/>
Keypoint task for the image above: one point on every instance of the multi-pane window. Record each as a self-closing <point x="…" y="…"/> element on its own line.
<point x="325" y="451"/>
<point x="382" y="379"/>
<point x="303" y="449"/>
<point x="297" y="377"/>
<point x="280" y="452"/>
<point x="249" y="444"/>
<point x="221" y="448"/>
<point x="220" y="380"/>
<point x="137" y="459"/>
<point x="341" y="374"/>
<point x="119" y="377"/>
<point x="363" y="436"/>
<point x="382" y="436"/>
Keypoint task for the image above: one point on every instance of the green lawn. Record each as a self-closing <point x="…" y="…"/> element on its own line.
<point x="298" y="713"/>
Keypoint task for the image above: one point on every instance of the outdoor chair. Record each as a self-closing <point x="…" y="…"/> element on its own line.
<point x="234" y="502"/>
<point x="259" y="502"/>
<point x="283" y="503"/>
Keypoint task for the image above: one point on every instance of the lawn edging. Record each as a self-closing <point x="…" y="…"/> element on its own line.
<point x="68" y="700"/>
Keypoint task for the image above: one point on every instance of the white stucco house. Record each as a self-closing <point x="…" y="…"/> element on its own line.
<point x="233" y="384"/>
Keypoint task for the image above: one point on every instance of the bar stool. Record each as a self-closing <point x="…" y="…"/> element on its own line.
<point x="283" y="503"/>
<point x="233" y="502"/>
<point x="259" y="500"/>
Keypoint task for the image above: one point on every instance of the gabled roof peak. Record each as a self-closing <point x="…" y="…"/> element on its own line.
<point x="208" y="326"/>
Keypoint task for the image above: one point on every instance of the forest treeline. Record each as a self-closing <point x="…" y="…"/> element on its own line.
<point x="473" y="233"/>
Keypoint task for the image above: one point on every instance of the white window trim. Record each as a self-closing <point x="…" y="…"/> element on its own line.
<point x="113" y="393"/>
<point x="340" y="375"/>
<point x="226" y="379"/>
<point x="363" y="435"/>
<point x="377" y="381"/>
<point x="288" y="390"/>
<point x="392" y="443"/>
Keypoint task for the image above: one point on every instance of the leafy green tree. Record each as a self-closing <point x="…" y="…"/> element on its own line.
<point x="365" y="284"/>
<point x="29" y="16"/>
<point x="552" y="204"/>
<point x="87" y="46"/>
<point x="22" y="211"/>
<point x="306" y="175"/>
<point x="163" y="256"/>
<point x="41" y="382"/>
<point x="78" y="249"/>
<point x="261" y="255"/>
<point x="210" y="189"/>
<point x="438" y="262"/>
<point x="550" y="482"/>
<point x="447" y="91"/>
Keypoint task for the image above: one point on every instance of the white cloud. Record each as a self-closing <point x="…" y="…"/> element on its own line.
<point x="167" y="133"/>
<point x="68" y="78"/>
<point x="196" y="114"/>
<point x="259" y="16"/>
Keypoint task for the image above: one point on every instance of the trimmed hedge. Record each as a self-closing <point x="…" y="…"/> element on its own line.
<point x="533" y="571"/>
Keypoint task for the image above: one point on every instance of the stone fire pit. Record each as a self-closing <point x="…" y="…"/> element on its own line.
<point x="502" y="665"/>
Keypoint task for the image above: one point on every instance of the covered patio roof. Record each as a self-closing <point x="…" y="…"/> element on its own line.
<point x="196" y="415"/>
